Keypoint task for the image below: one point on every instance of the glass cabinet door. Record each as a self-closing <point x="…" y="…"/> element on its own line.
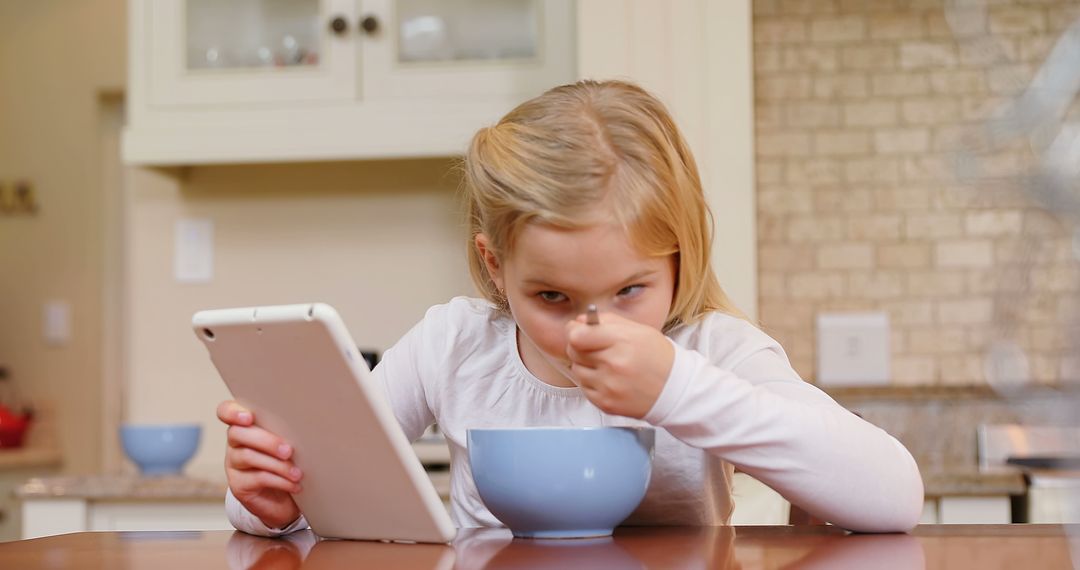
<point x="432" y="48"/>
<point x="250" y="51"/>
<point x="467" y="30"/>
<point x="246" y="34"/>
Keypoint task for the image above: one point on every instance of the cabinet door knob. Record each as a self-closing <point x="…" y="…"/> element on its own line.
<point x="370" y="24"/>
<point x="339" y="25"/>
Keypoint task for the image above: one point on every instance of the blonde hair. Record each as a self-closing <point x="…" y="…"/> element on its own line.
<point x="557" y="157"/>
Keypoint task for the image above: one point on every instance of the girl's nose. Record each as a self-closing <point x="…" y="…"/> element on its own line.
<point x="583" y="308"/>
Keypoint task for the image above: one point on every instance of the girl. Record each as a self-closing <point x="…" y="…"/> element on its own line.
<point x="586" y="195"/>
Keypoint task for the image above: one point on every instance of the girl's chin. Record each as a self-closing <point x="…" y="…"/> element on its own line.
<point x="561" y="367"/>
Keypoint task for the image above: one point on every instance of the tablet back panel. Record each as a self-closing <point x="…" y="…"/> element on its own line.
<point x="298" y="370"/>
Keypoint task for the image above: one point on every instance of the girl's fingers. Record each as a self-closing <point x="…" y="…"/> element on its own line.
<point x="259" y="439"/>
<point x="231" y="413"/>
<point x="254" y="481"/>
<point x="584" y="376"/>
<point x="579" y="359"/>
<point x="591" y="384"/>
<point x="590" y="338"/>
<point x="245" y="458"/>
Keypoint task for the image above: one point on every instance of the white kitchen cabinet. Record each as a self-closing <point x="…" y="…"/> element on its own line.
<point x="1054" y="498"/>
<point x="11" y="479"/>
<point x="967" y="509"/>
<point x="65" y="504"/>
<point x="76" y="503"/>
<point x="756" y="503"/>
<point x="203" y="52"/>
<point x="273" y="80"/>
<point x="974" y="510"/>
<point x="48" y="517"/>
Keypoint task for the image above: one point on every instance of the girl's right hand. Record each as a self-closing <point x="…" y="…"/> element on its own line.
<point x="257" y="466"/>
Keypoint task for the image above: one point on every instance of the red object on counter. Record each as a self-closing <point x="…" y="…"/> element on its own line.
<point x="13" y="428"/>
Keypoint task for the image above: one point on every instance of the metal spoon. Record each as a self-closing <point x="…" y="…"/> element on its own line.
<point x="592" y="317"/>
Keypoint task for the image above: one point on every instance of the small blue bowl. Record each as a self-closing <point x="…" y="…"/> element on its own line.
<point x="561" y="482"/>
<point x="160" y="449"/>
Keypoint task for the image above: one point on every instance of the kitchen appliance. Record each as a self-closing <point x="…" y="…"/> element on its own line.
<point x="1049" y="457"/>
<point x="13" y="427"/>
<point x="15" y="418"/>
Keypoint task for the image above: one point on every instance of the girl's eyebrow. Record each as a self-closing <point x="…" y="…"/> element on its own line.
<point x="640" y="275"/>
<point x="539" y="281"/>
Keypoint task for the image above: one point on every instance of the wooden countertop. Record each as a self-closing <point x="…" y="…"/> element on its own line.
<point x="956" y="547"/>
<point x="972" y="482"/>
<point x="30" y="458"/>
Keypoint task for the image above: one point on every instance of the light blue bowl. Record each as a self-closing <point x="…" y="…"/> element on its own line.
<point x="561" y="482"/>
<point x="160" y="449"/>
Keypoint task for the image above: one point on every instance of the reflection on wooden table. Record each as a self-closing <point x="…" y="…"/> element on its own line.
<point x="744" y="548"/>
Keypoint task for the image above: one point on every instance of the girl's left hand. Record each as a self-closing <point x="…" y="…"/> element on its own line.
<point x="621" y="365"/>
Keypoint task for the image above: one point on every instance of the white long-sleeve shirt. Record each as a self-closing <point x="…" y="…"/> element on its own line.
<point x="730" y="400"/>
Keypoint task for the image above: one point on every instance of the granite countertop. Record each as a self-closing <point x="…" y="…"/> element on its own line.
<point x="179" y="488"/>
<point x="959" y="392"/>
<point x="911" y="393"/>
<point x="136" y="488"/>
<point x="122" y="487"/>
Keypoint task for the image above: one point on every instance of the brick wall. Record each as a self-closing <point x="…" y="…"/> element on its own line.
<point x="878" y="191"/>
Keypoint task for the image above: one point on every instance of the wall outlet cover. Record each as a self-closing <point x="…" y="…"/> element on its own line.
<point x="853" y="349"/>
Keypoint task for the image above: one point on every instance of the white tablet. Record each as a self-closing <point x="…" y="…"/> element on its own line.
<point x="299" y="371"/>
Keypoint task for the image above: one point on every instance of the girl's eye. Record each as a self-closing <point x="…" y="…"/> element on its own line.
<point x="551" y="296"/>
<point x="631" y="290"/>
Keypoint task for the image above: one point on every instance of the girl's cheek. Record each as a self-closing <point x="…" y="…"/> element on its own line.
<point x="555" y="343"/>
<point x="553" y="338"/>
<point x="547" y="332"/>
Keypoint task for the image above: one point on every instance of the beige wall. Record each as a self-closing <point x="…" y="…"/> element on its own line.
<point x="861" y="110"/>
<point x="380" y="241"/>
<point x="56" y="58"/>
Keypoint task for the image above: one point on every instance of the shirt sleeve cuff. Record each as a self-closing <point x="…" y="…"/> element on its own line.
<point x="244" y="521"/>
<point x="299" y="524"/>
<point x="678" y="380"/>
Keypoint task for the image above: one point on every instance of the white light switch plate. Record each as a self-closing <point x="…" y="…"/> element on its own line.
<point x="193" y="254"/>
<point x="853" y="349"/>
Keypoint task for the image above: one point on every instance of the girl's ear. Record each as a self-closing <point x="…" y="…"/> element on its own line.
<point x="491" y="261"/>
